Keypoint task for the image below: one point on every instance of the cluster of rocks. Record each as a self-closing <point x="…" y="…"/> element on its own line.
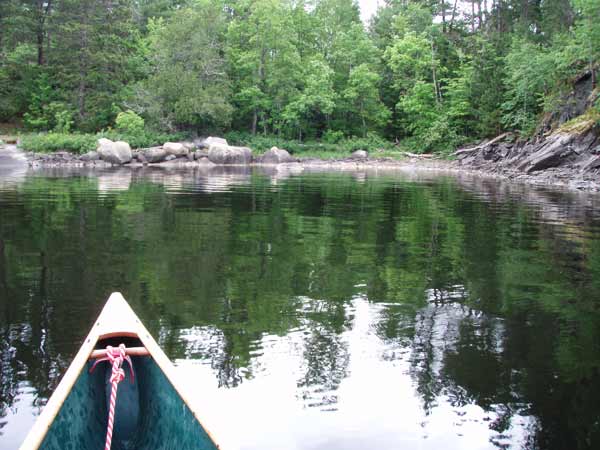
<point x="209" y="151"/>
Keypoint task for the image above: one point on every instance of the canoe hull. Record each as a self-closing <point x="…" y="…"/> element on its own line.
<point x="76" y="414"/>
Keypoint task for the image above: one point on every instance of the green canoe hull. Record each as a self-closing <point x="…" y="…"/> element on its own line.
<point x="163" y="420"/>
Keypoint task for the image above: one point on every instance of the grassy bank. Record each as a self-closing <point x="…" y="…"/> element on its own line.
<point x="82" y="143"/>
<point x="341" y="148"/>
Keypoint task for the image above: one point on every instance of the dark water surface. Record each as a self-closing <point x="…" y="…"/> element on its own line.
<point x="318" y="311"/>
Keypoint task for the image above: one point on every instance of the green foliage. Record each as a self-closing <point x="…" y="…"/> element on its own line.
<point x="52" y="142"/>
<point x="529" y="71"/>
<point x="317" y="98"/>
<point x="362" y="95"/>
<point x="129" y="122"/>
<point x="343" y="147"/>
<point x="18" y="76"/>
<point x="95" y="55"/>
<point x="332" y="136"/>
<point x="40" y="114"/>
<point x="306" y="70"/>
<point x="82" y="143"/>
<point x="187" y="87"/>
<point x="264" y="67"/>
<point x="64" y="121"/>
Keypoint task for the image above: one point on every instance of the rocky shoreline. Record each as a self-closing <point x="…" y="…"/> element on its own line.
<point x="211" y="151"/>
<point x="565" y="150"/>
<point x="567" y="160"/>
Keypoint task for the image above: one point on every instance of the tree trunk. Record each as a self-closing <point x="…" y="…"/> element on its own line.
<point x="3" y="282"/>
<point x="453" y="15"/>
<point x="362" y="116"/>
<point x="472" y="16"/>
<point x="438" y="94"/>
<point x="524" y="11"/>
<point x="261" y="81"/>
<point x="254" y="122"/>
<point x="43" y="10"/>
<point x="40" y="47"/>
<point x="443" y="15"/>
<point x="82" y="69"/>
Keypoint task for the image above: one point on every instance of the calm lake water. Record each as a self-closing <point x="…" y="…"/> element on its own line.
<point x="322" y="311"/>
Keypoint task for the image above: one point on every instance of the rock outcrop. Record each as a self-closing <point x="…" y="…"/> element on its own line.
<point x="154" y="154"/>
<point x="90" y="156"/>
<point x="226" y="154"/>
<point x="563" y="154"/>
<point x="359" y="154"/>
<point x="206" y="143"/>
<point x="175" y="149"/>
<point x="276" y="156"/>
<point x="114" y="152"/>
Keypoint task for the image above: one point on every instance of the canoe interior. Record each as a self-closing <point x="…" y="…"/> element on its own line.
<point x="150" y="414"/>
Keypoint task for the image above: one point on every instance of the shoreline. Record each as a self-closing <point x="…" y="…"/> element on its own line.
<point x="559" y="178"/>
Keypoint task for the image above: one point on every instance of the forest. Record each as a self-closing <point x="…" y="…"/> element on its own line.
<point x="429" y="74"/>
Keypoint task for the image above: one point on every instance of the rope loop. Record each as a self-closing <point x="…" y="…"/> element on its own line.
<point x="115" y="356"/>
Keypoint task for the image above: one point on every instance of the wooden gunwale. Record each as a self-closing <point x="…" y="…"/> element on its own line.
<point x="117" y="319"/>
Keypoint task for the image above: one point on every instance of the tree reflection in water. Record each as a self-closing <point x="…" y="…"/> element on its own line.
<point x="489" y="293"/>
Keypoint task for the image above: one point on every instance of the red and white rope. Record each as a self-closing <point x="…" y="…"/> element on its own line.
<point x="115" y="356"/>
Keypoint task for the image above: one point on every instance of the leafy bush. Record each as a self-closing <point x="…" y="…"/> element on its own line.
<point x="129" y="122"/>
<point x="64" y="121"/>
<point x="82" y="143"/>
<point x="530" y="69"/>
<point x="52" y="142"/>
<point x="333" y="137"/>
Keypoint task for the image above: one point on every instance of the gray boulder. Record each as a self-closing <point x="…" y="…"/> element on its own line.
<point x="225" y="154"/>
<point x="90" y="156"/>
<point x="204" y="161"/>
<point x="359" y="154"/>
<point x="276" y="156"/>
<point x="190" y="146"/>
<point x="114" y="152"/>
<point x="155" y="154"/>
<point x="206" y="143"/>
<point x="176" y="149"/>
<point x="200" y="154"/>
<point x="170" y="158"/>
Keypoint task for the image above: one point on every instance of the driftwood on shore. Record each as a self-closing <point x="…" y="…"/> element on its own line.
<point x="482" y="145"/>
<point x="416" y="155"/>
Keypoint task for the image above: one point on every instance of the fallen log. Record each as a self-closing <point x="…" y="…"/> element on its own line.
<point x="483" y="145"/>
<point x="416" y="155"/>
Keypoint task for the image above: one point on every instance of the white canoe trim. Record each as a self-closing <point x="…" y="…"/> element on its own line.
<point x="116" y="319"/>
